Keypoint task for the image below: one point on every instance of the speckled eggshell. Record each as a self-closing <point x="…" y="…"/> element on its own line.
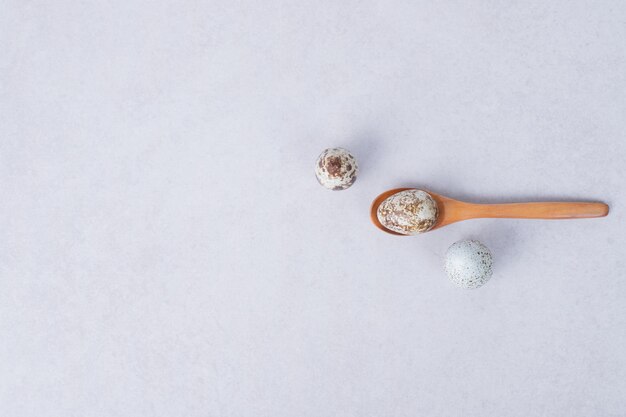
<point x="336" y="169"/>
<point x="469" y="264"/>
<point x="408" y="212"/>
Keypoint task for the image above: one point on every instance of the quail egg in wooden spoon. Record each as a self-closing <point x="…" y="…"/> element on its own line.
<point x="409" y="211"/>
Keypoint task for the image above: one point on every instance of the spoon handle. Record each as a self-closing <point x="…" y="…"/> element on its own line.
<point x="552" y="210"/>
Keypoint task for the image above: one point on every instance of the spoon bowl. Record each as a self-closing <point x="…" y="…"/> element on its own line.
<point x="452" y="211"/>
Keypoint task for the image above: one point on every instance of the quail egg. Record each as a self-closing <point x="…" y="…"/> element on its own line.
<point x="468" y="264"/>
<point x="336" y="169"/>
<point x="408" y="212"/>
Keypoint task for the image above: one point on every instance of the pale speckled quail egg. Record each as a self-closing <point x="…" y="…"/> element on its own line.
<point x="469" y="264"/>
<point x="408" y="212"/>
<point x="336" y="169"/>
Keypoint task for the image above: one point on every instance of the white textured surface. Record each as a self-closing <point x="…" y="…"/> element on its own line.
<point x="166" y="250"/>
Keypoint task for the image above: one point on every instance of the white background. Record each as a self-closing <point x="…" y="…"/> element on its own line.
<point x="166" y="250"/>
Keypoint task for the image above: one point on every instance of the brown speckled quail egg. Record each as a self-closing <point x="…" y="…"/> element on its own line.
<point x="408" y="212"/>
<point x="336" y="169"/>
<point x="468" y="264"/>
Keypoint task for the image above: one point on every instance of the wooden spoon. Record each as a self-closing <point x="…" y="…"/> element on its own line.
<point x="452" y="211"/>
